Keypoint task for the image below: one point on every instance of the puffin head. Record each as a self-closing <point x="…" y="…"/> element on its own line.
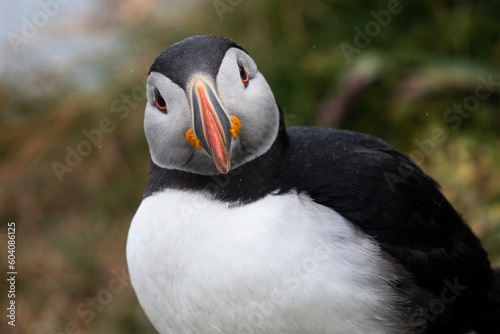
<point x="209" y="109"/>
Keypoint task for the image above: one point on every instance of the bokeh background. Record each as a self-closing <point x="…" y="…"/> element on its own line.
<point x="422" y="75"/>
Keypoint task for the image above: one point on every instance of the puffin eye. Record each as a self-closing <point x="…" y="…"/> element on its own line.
<point x="243" y="73"/>
<point x="159" y="101"/>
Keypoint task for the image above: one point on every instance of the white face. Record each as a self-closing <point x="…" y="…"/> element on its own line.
<point x="252" y="103"/>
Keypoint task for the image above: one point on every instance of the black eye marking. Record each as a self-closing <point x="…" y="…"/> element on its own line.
<point x="159" y="101"/>
<point x="243" y="73"/>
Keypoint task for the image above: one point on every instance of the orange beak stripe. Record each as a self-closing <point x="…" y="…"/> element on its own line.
<point x="212" y="129"/>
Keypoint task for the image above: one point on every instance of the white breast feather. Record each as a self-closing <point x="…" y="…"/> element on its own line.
<point x="283" y="264"/>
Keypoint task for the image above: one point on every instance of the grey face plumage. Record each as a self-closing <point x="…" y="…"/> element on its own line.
<point x="209" y="109"/>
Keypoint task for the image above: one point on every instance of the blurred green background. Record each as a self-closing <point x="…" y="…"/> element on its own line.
<point x="422" y="75"/>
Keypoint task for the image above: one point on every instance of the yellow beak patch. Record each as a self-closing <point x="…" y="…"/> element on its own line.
<point x="192" y="140"/>
<point x="196" y="143"/>
<point x="236" y="126"/>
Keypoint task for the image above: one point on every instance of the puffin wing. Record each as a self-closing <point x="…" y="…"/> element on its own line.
<point x="387" y="196"/>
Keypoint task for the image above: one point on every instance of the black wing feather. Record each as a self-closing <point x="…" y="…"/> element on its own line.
<point x="387" y="196"/>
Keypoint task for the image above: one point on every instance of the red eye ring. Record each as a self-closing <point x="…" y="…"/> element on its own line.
<point x="243" y="73"/>
<point x="159" y="101"/>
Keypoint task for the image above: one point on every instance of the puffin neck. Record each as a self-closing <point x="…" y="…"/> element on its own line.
<point x="245" y="184"/>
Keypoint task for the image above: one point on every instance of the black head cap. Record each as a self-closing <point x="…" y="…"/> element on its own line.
<point x="203" y="53"/>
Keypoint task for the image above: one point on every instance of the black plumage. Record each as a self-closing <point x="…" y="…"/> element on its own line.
<point x="205" y="54"/>
<point x="388" y="197"/>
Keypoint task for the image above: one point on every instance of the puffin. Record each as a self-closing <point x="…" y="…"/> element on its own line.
<point x="248" y="226"/>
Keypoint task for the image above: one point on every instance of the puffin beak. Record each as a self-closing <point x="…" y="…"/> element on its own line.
<point x="211" y="122"/>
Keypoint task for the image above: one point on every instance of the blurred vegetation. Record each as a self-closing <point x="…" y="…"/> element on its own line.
<point x="71" y="234"/>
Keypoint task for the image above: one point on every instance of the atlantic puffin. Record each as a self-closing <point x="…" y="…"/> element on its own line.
<point x="247" y="226"/>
